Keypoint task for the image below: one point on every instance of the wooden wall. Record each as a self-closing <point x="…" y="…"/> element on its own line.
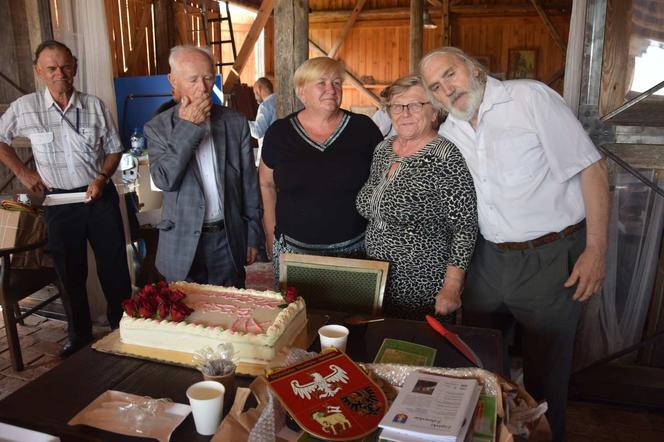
<point x="135" y="36"/>
<point x="377" y="46"/>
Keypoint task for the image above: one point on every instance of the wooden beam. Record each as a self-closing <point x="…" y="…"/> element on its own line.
<point x="164" y="29"/>
<point x="416" y="34"/>
<point x="558" y="75"/>
<point x="547" y="23"/>
<point x="291" y="50"/>
<point x="352" y="79"/>
<point x="446" y="27"/>
<point x="257" y="27"/>
<point x="346" y="29"/>
<point x="525" y="9"/>
<point x="139" y="42"/>
<point x="435" y="3"/>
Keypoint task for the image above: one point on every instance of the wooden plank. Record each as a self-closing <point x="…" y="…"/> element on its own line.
<point x="164" y="28"/>
<point x="416" y="34"/>
<point x="346" y="29"/>
<point x="435" y="3"/>
<point x="446" y="37"/>
<point x="139" y="40"/>
<point x="290" y="24"/>
<point x="614" y="83"/>
<point x="494" y="10"/>
<point x="352" y="79"/>
<point x="248" y="45"/>
<point x="549" y="26"/>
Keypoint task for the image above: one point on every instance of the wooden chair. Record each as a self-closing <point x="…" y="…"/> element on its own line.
<point x="338" y="284"/>
<point x="15" y="285"/>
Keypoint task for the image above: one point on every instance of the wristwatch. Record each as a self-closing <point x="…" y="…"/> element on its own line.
<point x="105" y="176"/>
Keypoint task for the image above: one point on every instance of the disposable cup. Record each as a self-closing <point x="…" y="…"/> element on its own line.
<point x="333" y="336"/>
<point x="206" y="399"/>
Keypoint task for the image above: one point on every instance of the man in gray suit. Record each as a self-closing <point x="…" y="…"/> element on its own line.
<point x="201" y="158"/>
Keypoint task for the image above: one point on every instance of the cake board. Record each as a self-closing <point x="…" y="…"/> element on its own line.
<point x="112" y="344"/>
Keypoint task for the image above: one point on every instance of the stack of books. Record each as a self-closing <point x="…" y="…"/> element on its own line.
<point x="431" y="408"/>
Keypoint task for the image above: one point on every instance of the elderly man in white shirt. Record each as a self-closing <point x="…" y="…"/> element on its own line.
<point x="76" y="149"/>
<point x="543" y="205"/>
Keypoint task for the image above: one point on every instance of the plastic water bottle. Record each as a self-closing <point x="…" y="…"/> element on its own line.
<point x="137" y="142"/>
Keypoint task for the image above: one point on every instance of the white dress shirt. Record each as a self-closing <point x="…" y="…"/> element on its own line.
<point x="207" y="165"/>
<point x="525" y="158"/>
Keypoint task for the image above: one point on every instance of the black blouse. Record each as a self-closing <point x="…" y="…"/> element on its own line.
<point x="317" y="182"/>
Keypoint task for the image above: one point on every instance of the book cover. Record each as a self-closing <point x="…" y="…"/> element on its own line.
<point x="395" y="351"/>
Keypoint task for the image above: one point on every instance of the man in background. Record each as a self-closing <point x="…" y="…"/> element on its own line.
<point x="76" y="149"/>
<point x="266" y="114"/>
<point x="200" y="157"/>
<point x="543" y="206"/>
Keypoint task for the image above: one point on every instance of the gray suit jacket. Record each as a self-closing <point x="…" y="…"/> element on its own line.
<point x="172" y="143"/>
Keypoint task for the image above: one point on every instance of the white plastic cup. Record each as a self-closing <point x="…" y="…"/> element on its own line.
<point x="207" y="405"/>
<point x="333" y="336"/>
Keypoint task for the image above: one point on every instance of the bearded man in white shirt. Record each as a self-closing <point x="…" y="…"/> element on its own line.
<point x="543" y="206"/>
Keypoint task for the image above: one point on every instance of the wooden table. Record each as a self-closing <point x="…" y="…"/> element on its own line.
<point x="50" y="401"/>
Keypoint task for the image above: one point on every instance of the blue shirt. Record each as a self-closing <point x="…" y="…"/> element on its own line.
<point x="265" y="116"/>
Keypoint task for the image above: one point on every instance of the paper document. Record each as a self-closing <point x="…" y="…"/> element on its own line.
<point x="56" y="199"/>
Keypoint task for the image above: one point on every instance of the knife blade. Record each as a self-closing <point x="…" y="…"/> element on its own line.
<point x="455" y="340"/>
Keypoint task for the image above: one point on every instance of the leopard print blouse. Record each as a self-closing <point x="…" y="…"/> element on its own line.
<point x="421" y="218"/>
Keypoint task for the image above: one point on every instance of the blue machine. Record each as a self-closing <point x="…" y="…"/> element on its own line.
<point x="137" y="99"/>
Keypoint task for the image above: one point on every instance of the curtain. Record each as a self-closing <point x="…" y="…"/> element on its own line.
<point x="81" y="25"/>
<point x="615" y="320"/>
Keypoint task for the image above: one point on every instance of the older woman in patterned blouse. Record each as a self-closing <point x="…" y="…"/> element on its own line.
<point x="420" y="204"/>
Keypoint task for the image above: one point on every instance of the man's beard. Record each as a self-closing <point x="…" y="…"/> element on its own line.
<point x="475" y="94"/>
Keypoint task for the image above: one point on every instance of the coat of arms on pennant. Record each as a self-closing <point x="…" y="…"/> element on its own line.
<point x="330" y="397"/>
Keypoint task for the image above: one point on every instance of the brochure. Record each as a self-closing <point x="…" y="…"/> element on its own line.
<point x="431" y="408"/>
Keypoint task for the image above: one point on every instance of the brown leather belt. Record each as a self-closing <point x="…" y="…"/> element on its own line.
<point x="545" y="239"/>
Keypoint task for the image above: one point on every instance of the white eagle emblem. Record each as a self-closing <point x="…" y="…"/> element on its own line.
<point x="324" y="384"/>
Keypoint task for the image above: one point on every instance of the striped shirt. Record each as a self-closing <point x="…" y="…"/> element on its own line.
<point x="69" y="146"/>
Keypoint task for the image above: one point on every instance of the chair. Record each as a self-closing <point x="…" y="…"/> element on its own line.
<point x="338" y="284"/>
<point x="15" y="285"/>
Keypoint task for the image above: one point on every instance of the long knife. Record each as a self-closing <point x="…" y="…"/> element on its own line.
<point x="455" y="340"/>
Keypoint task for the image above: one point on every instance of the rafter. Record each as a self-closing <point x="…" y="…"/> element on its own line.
<point x="352" y="79"/>
<point x="549" y="26"/>
<point x="346" y="29"/>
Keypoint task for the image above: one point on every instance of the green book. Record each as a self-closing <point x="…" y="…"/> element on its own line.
<point x="395" y="351"/>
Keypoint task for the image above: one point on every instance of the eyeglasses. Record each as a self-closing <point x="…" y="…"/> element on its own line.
<point x="414" y="107"/>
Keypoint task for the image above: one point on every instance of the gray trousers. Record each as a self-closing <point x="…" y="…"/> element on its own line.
<point x="526" y="287"/>
<point x="213" y="262"/>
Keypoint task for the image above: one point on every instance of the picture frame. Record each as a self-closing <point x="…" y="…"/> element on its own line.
<point x="522" y="63"/>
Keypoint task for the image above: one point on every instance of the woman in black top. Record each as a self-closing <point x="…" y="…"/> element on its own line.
<point x="313" y="165"/>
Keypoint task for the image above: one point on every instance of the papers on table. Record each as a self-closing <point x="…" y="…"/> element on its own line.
<point x="431" y="408"/>
<point x="10" y="433"/>
<point x="56" y="199"/>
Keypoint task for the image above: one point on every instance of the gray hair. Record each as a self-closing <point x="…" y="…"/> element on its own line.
<point x="401" y="85"/>
<point x="470" y="61"/>
<point x="177" y="51"/>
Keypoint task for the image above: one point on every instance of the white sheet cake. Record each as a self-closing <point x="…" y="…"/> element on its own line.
<point x="250" y="319"/>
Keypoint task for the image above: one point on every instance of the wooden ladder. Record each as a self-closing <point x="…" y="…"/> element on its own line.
<point x="221" y="42"/>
